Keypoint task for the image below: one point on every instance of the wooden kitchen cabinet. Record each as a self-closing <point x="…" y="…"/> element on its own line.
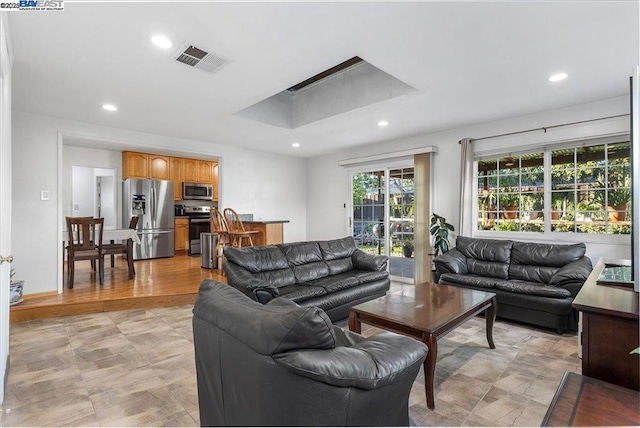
<point x="159" y="167"/>
<point x="182" y="234"/>
<point x="215" y="181"/>
<point x="205" y="172"/>
<point x="135" y="165"/>
<point x="190" y="171"/>
<point x="178" y="170"/>
<point x="176" y="175"/>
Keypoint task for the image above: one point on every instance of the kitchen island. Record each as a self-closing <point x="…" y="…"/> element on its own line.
<point x="271" y="231"/>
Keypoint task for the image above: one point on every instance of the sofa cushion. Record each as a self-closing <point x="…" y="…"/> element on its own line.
<point x="532" y="288"/>
<point x="337" y="248"/>
<point x="267" y="329"/>
<point x="491" y="250"/>
<point x="339" y="266"/>
<point x="310" y="271"/>
<point x="336" y="282"/>
<point x="299" y="293"/>
<point x="552" y="255"/>
<point x="257" y="259"/>
<point x="277" y="278"/>
<point x="468" y="280"/>
<point x="301" y="253"/>
<point x="487" y="268"/>
<point x="540" y="274"/>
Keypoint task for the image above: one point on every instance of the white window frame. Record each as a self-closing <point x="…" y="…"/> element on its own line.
<point x="547" y="235"/>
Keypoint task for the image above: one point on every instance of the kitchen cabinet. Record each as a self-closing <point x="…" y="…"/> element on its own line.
<point x="190" y="171"/>
<point x="159" y="167"/>
<point x="182" y="234"/>
<point x="178" y="170"/>
<point x="271" y="232"/>
<point x="205" y="172"/>
<point x="135" y="165"/>
<point x="175" y="175"/>
<point x="215" y="181"/>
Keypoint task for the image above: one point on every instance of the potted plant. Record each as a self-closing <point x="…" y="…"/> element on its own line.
<point x="439" y="230"/>
<point x="509" y="203"/>
<point x="15" y="289"/>
<point x="407" y="248"/>
<point x="618" y="201"/>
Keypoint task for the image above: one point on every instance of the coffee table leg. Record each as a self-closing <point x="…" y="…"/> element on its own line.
<point x="354" y="322"/>
<point x="490" y="316"/>
<point x="430" y="367"/>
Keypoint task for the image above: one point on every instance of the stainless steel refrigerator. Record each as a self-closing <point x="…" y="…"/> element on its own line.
<point x="152" y="201"/>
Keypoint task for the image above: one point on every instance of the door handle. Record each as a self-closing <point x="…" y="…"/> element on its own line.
<point x="8" y="259"/>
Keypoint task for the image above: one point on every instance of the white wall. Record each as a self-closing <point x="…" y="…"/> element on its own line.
<point x="269" y="186"/>
<point x="329" y="183"/>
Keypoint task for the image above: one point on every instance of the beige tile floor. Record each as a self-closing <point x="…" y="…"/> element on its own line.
<point x="136" y="368"/>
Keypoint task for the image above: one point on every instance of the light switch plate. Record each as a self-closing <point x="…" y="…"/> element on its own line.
<point x="44" y="195"/>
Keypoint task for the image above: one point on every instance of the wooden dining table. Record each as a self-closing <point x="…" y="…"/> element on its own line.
<point x="109" y="235"/>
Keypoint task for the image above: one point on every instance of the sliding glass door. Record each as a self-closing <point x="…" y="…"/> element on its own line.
<point x="382" y="216"/>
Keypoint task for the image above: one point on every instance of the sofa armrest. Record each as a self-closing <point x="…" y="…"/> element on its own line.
<point x="453" y="261"/>
<point x="375" y="361"/>
<point x="572" y="275"/>
<point x="364" y="261"/>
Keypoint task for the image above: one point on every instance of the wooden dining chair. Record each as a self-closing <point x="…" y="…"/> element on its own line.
<point x="237" y="231"/>
<point x="219" y="226"/>
<point x="123" y="247"/>
<point x="85" y="243"/>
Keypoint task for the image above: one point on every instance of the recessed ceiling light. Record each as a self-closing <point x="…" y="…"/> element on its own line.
<point x="383" y="123"/>
<point x="558" y="77"/>
<point x="295" y="145"/>
<point x="161" y="42"/>
<point x="109" y="107"/>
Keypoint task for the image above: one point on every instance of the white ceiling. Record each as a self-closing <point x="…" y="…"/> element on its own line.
<point x="470" y="63"/>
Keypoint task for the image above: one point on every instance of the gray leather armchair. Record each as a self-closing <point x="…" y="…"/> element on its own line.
<point x="286" y="365"/>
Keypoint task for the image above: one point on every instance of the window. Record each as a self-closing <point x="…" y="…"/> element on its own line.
<point x="585" y="189"/>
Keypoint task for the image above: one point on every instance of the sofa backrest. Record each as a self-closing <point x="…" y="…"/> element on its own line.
<point x="539" y="262"/>
<point x="267" y="263"/>
<point x="486" y="257"/>
<point x="305" y="259"/>
<point x="267" y="329"/>
<point x="337" y="253"/>
<point x="283" y="265"/>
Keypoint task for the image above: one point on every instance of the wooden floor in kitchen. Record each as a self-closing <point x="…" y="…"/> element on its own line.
<point x="159" y="282"/>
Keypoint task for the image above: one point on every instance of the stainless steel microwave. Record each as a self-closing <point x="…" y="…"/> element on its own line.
<point x="201" y="191"/>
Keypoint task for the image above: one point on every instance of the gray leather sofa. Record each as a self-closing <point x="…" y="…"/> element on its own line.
<point x="280" y="364"/>
<point x="332" y="275"/>
<point x="534" y="283"/>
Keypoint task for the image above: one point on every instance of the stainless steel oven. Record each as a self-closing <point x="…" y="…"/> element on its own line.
<point x="199" y="222"/>
<point x="199" y="191"/>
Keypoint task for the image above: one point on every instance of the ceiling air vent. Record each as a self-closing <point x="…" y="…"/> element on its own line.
<point x="197" y="58"/>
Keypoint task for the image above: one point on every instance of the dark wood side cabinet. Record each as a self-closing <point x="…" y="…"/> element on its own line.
<point x="584" y="401"/>
<point x="609" y="331"/>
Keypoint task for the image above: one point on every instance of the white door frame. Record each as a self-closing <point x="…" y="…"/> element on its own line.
<point x="386" y="167"/>
<point x="5" y="196"/>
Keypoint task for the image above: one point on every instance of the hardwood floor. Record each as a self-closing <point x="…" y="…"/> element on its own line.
<point x="160" y="282"/>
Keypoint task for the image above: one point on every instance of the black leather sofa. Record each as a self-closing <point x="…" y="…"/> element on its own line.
<point x="332" y="275"/>
<point x="280" y="364"/>
<point x="534" y="283"/>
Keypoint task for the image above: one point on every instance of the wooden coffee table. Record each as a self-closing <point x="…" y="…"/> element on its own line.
<point x="426" y="312"/>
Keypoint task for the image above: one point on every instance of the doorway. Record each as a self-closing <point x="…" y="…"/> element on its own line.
<point x="94" y="193"/>
<point x="382" y="219"/>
